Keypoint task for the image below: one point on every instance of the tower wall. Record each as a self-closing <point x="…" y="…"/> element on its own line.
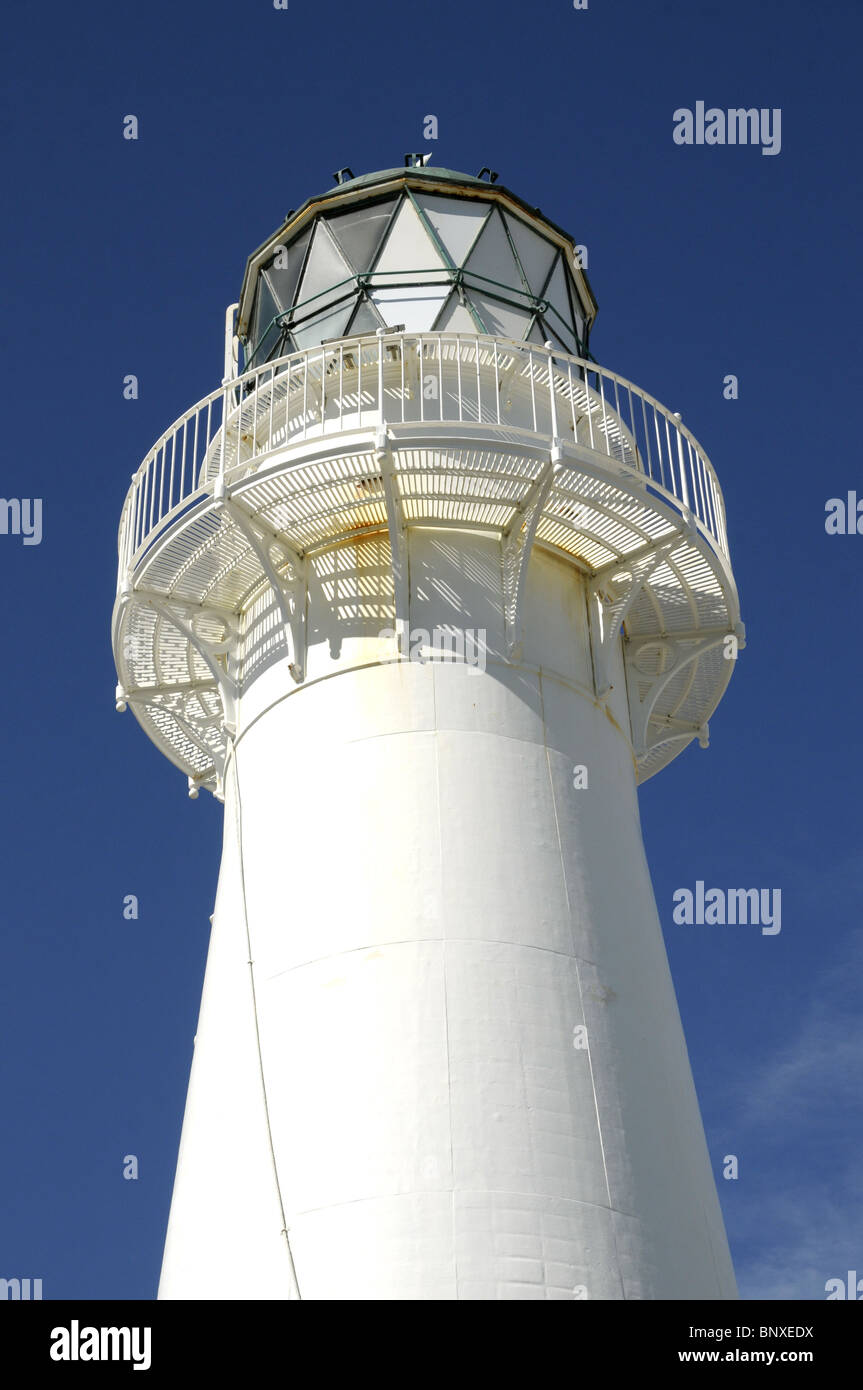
<point x="434" y="913"/>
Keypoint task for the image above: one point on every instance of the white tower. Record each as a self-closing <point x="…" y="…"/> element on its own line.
<point x="423" y="595"/>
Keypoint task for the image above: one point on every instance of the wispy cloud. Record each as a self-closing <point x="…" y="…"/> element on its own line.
<point x="796" y="1218"/>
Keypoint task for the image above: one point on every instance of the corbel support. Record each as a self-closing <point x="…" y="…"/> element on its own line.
<point x="678" y="656"/>
<point x="188" y="729"/>
<point x="398" y="540"/>
<point x="610" y="603"/>
<point x="208" y="652"/>
<point x="517" y="545"/>
<point x="192" y="612"/>
<point x="290" y="594"/>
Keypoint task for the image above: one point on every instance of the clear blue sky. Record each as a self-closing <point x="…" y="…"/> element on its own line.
<point x="120" y="257"/>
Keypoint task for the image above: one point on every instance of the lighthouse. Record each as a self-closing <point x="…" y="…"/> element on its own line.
<point x="422" y="593"/>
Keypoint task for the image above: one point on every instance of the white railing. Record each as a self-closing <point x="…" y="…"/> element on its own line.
<point x="403" y="378"/>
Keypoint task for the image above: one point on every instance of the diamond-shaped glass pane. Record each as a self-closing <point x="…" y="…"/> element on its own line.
<point x="325" y="273"/>
<point x="408" y="248"/>
<point x="535" y="253"/>
<point x="359" y="232"/>
<point x="327" y="325"/>
<point x="270" y="345"/>
<point x="503" y="320"/>
<point x="579" y="328"/>
<point x="561" y="337"/>
<point x="557" y="295"/>
<point x="266" y="309"/>
<point x="492" y="257"/>
<point x="416" y="306"/>
<point x="456" y="222"/>
<point x="365" y="320"/>
<point x="283" y="274"/>
<point x="455" y="317"/>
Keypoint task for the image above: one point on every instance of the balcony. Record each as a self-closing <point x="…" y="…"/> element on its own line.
<point x="364" y="437"/>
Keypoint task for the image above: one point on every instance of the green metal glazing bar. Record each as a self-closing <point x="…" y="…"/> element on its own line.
<point x="527" y="300"/>
<point x="445" y="257"/>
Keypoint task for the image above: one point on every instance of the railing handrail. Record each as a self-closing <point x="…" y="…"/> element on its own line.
<point x="232" y="394"/>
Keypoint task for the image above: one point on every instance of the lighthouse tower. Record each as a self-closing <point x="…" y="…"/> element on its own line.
<point x="422" y="594"/>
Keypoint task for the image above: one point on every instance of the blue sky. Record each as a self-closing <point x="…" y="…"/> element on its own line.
<point x="120" y="257"/>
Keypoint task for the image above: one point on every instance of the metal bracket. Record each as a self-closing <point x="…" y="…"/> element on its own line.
<point x="398" y="540"/>
<point x="290" y="594"/>
<point x="208" y="652"/>
<point x="516" y="547"/>
<point x="611" y="601"/>
<point x="184" y="724"/>
<point x="191" y="612"/>
<point x="641" y="709"/>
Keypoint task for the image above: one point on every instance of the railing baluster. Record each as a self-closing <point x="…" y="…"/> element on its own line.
<point x="459" y="344"/>
<point x="696" y="482"/>
<point x="151" y="471"/>
<point x="439" y="348"/>
<point x="604" y="416"/>
<point x="532" y="387"/>
<point x="619" y="422"/>
<point x="402" y="386"/>
<point x="171" y="476"/>
<point x="659" y="450"/>
<point x="646" y="436"/>
<point x="160" y="485"/>
<point x="552" y="399"/>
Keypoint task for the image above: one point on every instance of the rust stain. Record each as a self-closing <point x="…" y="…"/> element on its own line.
<point x="602" y="994"/>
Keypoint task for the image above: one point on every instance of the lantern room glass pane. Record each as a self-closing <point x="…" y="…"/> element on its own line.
<point x="535" y="253"/>
<point x="416" y="306"/>
<point x="270" y="345"/>
<point x="325" y="273"/>
<point x="455" y="317"/>
<point x="456" y="222"/>
<point x="330" y="324"/>
<point x="557" y="295"/>
<point x="359" y="233"/>
<point x="365" y="320"/>
<point x="283" y="279"/>
<point x="553" y="332"/>
<point x="492" y="258"/>
<point x="503" y="320"/>
<point x="266" y="309"/>
<point x="408" y="248"/>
